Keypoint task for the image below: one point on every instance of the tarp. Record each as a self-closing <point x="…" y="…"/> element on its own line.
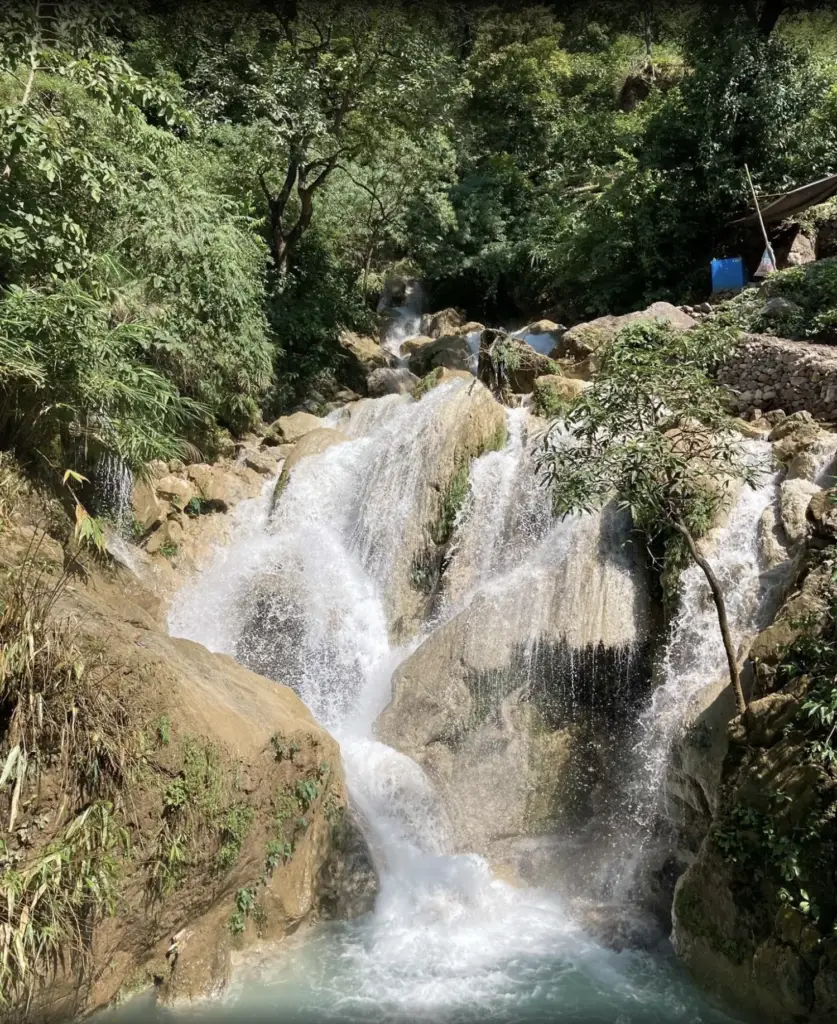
<point x="794" y="202"/>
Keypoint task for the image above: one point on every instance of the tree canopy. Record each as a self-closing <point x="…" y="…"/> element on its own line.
<point x="209" y="193"/>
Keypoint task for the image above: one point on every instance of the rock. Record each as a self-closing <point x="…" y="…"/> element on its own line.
<point x="521" y="364"/>
<point x="582" y="342"/>
<point x="175" y="490"/>
<point x="386" y="381"/>
<point x="436" y="377"/>
<point x="553" y="392"/>
<point x="778" y="307"/>
<point x="167" y="536"/>
<point x="790" y="424"/>
<point x="261" y="464"/>
<point x="216" y="486"/>
<point x="213" y="709"/>
<point x="753" y="428"/>
<point x="772" y="541"/>
<point x="365" y="350"/>
<point x="470" y="328"/>
<point x="349" y="883"/>
<point x="313" y="443"/>
<point x="802" y="251"/>
<point x="451" y="351"/>
<point x="148" y="512"/>
<point x="289" y="429"/>
<point x="543" y="326"/>
<point x="412" y="345"/>
<point x="498" y="754"/>
<point x="445" y="322"/>
<point x="822" y="513"/>
<point x="703" y="307"/>
<point x="767" y="717"/>
<point x="795" y="496"/>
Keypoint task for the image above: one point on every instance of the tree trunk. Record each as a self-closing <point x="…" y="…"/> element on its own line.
<point x="721" y="608"/>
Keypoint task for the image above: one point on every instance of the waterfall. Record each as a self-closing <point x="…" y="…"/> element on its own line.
<point x="304" y="593"/>
<point x="112" y="481"/>
<point x="694" y="657"/>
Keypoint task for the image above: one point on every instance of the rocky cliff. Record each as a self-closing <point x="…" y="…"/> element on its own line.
<point x="163" y="806"/>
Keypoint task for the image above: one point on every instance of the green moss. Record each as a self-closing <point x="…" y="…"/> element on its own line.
<point x="452" y="501"/>
<point x="427" y="383"/>
<point x="202" y="825"/>
<point x="547" y="400"/>
<point x="497" y="441"/>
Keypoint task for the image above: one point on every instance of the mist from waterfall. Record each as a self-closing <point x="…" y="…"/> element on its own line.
<point x="303" y="593"/>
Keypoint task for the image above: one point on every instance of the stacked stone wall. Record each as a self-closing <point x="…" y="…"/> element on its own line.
<point x="775" y="373"/>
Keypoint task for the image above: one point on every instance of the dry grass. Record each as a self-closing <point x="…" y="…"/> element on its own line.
<point x="67" y="749"/>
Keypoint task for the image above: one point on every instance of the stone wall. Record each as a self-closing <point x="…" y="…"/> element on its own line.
<point x="774" y="373"/>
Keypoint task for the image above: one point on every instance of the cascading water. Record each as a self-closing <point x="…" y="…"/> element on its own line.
<point x="694" y="657"/>
<point x="301" y="594"/>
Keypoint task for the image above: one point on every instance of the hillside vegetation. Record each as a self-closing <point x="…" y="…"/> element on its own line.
<point x="196" y="199"/>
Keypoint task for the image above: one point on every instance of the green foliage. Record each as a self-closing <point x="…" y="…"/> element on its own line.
<point x="653" y="432"/>
<point x="813" y="656"/>
<point x="168" y="549"/>
<point x="51" y="899"/>
<point x="52" y="892"/>
<point x="548" y="400"/>
<point x="245" y="903"/>
<point x="202" y="823"/>
<point x="232" y="831"/>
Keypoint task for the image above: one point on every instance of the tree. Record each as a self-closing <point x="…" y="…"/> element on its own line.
<point x="652" y="432"/>
<point x="325" y="84"/>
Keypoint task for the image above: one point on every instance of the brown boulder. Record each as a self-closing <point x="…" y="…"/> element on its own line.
<point x="365" y="350"/>
<point x="446" y="321"/>
<point x="583" y="342"/>
<point x="451" y="351"/>
<point x="314" y="443"/>
<point x="288" y="429"/>
<point x="822" y="513"/>
<point x="412" y="345"/>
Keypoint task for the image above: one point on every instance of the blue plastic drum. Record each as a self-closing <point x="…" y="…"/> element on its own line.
<point x="729" y="273"/>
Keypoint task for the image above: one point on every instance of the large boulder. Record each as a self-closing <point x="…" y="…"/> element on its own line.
<point x="822" y="514"/>
<point x="484" y="705"/>
<point x="508" y="362"/>
<point x="289" y="429"/>
<point x="365" y="350"/>
<point x="414" y="344"/>
<point x="199" y="792"/>
<point x="542" y="335"/>
<point x="315" y="442"/>
<point x="451" y="351"/>
<point x="390" y="381"/>
<point x="580" y="345"/>
<point x="446" y="321"/>
<point x="553" y="393"/>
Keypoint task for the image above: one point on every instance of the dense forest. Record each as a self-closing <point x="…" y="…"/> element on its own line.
<point x="197" y="198"/>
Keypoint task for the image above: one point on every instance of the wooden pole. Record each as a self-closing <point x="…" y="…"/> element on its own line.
<point x="758" y="211"/>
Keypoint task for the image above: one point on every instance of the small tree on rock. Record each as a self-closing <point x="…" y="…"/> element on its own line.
<point x="653" y="432"/>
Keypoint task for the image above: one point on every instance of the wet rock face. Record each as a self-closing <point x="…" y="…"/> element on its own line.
<point x="517" y="715"/>
<point x="349" y="882"/>
<point x="763" y="953"/>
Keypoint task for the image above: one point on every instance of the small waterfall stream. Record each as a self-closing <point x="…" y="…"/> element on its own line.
<point x="303" y="593"/>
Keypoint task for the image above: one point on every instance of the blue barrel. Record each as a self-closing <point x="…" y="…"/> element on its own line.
<point x="729" y="273"/>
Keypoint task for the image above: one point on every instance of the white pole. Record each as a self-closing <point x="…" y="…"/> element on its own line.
<point x="758" y="211"/>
